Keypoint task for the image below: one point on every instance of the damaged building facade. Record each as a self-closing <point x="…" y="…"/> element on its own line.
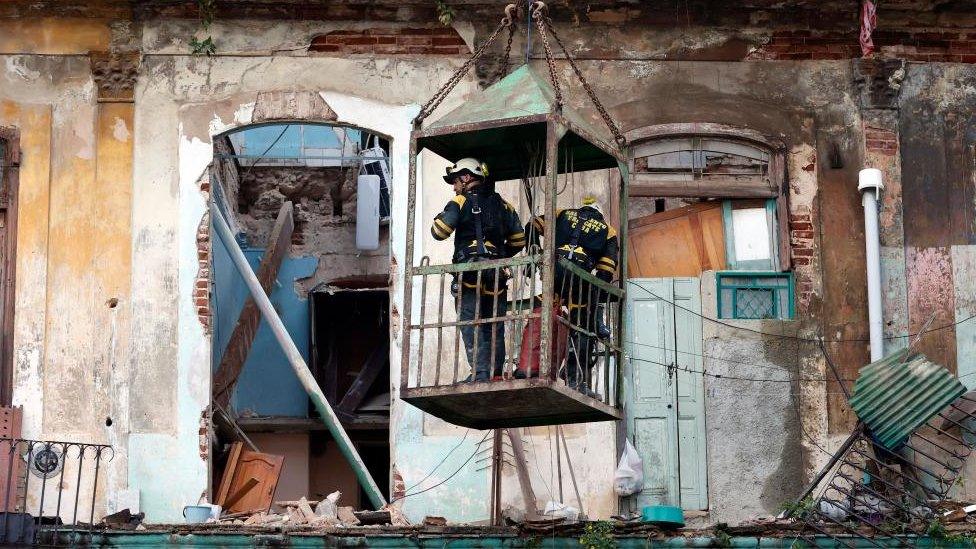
<point x="126" y="324"/>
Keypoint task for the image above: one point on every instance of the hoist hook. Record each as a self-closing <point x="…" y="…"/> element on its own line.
<point x="538" y="7"/>
<point x="510" y="15"/>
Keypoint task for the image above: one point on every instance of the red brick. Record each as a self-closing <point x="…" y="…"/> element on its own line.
<point x="447" y="41"/>
<point x="801" y="226"/>
<point x="801" y="260"/>
<point x="447" y="50"/>
<point x="414" y="40"/>
<point x="801" y="252"/>
<point x="324" y="48"/>
<point x="364" y="48"/>
<point x="799" y="217"/>
<point x="387" y="49"/>
<point x="386" y="39"/>
<point x="802" y="234"/>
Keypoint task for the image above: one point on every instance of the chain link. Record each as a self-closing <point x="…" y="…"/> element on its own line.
<point x="617" y="135"/>
<point x="540" y="23"/>
<point x="431" y="105"/>
<point x="508" y="52"/>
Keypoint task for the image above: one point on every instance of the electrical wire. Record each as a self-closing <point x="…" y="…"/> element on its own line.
<point x="709" y="357"/>
<point x="740" y="378"/>
<point x="452" y="475"/>
<point x="441" y="462"/>
<point x="812" y="340"/>
<point x="261" y="156"/>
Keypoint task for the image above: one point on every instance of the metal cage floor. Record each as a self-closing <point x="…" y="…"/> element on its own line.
<point x="509" y="403"/>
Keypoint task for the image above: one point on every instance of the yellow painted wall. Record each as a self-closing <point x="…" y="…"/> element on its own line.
<point x="54" y="35"/>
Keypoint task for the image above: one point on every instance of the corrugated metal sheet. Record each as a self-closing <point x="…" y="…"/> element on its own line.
<point x="899" y="393"/>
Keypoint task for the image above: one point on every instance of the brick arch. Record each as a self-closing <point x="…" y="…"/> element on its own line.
<point x="391" y="41"/>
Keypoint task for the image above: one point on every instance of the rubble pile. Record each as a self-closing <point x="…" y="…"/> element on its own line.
<point x="326" y="513"/>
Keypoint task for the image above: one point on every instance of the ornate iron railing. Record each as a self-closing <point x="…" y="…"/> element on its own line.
<point x="48" y="487"/>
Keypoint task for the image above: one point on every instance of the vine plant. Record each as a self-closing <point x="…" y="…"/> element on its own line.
<point x="207" y="10"/>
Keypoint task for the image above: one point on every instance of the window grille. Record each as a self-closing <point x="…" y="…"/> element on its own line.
<point x="755" y="295"/>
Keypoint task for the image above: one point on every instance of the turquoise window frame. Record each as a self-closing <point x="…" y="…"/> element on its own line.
<point x="757" y="277"/>
<point x="771" y="227"/>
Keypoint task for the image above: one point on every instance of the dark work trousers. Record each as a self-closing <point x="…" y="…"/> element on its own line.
<point x="578" y="297"/>
<point x="490" y="306"/>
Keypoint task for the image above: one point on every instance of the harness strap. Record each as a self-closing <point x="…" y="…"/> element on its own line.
<point x="479" y="233"/>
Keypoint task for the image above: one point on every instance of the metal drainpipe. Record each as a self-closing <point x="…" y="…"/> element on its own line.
<point x="870" y="185"/>
<point x="298" y="364"/>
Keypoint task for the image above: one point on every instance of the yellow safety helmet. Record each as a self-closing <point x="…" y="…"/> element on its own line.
<point x="473" y="166"/>
<point x="589" y="201"/>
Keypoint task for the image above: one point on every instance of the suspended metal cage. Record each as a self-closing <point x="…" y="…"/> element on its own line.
<point x="557" y="325"/>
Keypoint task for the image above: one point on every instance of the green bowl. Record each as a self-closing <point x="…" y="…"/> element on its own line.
<point x="663" y="515"/>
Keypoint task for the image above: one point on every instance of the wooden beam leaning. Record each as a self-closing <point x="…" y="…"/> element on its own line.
<point x="249" y="320"/>
<point x="375" y="364"/>
<point x="522" y="469"/>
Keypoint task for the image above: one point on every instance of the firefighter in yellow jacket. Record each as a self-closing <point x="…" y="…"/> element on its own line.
<point x="485" y="227"/>
<point x="584" y="237"/>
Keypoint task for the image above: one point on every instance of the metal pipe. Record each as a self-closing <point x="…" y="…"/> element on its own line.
<point x="870" y="186"/>
<point x="295" y="359"/>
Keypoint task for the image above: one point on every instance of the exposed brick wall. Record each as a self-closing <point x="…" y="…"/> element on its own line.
<point x="391" y="41"/>
<point x="802" y="249"/>
<point x="201" y="286"/>
<point x="956" y="46"/>
<point x="879" y="140"/>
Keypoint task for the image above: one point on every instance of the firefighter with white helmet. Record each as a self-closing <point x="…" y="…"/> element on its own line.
<point x="485" y="227"/>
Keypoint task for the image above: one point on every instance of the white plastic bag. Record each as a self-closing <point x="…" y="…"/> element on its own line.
<point x="629" y="478"/>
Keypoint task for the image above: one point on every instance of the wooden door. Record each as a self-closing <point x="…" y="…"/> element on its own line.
<point x="665" y="408"/>
<point x="680" y="242"/>
<point x="650" y="408"/>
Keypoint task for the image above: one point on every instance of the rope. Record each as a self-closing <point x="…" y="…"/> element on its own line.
<point x="428" y="108"/>
<point x="617" y="135"/>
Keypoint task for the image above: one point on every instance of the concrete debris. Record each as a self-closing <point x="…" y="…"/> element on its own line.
<point x="347" y="517"/>
<point x="305" y="513"/>
<point x="327" y="507"/>
<point x="435" y="521"/>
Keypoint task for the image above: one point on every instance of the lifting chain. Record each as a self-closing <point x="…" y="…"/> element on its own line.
<point x="618" y="136"/>
<point x="511" y="15"/>
<point x="443" y="92"/>
<point x="543" y="23"/>
<point x="538" y="15"/>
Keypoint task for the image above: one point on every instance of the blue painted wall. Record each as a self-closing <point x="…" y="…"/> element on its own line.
<point x="267" y="385"/>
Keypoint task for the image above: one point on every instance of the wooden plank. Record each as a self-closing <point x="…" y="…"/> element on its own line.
<point x="11" y="422"/>
<point x="522" y="469"/>
<point x="376" y="363"/>
<point x="648" y="185"/>
<point x="228" y="477"/>
<point x="265" y="469"/>
<point x="249" y="320"/>
<point x="222" y="415"/>
<point x="680" y="242"/>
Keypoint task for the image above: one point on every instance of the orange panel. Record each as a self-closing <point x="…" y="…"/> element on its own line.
<point x="680" y="242"/>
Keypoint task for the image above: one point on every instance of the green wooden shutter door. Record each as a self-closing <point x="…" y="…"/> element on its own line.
<point x="665" y="416"/>
<point x="690" y="394"/>
<point x="651" y="419"/>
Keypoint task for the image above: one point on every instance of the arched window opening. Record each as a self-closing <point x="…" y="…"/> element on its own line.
<point x="309" y="206"/>
<point x="713" y="202"/>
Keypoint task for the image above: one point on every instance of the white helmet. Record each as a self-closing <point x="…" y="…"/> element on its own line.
<point x="472" y="166"/>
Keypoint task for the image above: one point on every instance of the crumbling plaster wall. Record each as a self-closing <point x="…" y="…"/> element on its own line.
<point x="792" y="103"/>
<point x="72" y="298"/>
<point x="195" y="99"/>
